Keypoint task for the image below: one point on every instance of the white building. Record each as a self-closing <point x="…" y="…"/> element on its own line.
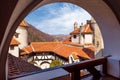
<point x="21" y="34"/>
<point x="87" y="35"/>
<point x="13" y="48"/>
<point x="82" y="35"/>
<point x="19" y="40"/>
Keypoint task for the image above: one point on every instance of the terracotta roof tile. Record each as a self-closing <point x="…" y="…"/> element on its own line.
<point x="58" y="48"/>
<point x="14" y="42"/>
<point x="24" y="23"/>
<point x="17" y="66"/>
<point x="87" y="29"/>
<point x="67" y="40"/>
<point x="66" y="50"/>
<point x="26" y="50"/>
<point x="76" y="31"/>
<point x="90" y="51"/>
<point x="75" y="55"/>
<point x="44" y="46"/>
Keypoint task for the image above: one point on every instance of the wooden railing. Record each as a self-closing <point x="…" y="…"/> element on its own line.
<point x="74" y="69"/>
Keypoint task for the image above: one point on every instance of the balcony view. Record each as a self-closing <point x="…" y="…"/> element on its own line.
<point x="61" y="40"/>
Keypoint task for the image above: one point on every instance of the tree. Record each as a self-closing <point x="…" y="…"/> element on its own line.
<point x="55" y="63"/>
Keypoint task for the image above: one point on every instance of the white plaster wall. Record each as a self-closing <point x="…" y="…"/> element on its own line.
<point x="70" y="61"/>
<point x="82" y="41"/>
<point x="88" y="38"/>
<point x="44" y="59"/>
<point x="48" y="56"/>
<point x="114" y="67"/>
<point x="23" y="36"/>
<point x="75" y="40"/>
<point x="98" y="41"/>
<point x="75" y="60"/>
<point x="15" y="51"/>
<point x="45" y="65"/>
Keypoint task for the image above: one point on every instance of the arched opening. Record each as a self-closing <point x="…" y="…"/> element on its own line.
<point x="109" y="26"/>
<point x="60" y="21"/>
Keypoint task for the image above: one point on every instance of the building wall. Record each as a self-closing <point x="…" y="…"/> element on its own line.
<point x="72" y="60"/>
<point x="46" y="64"/>
<point x="22" y="37"/>
<point x="88" y="38"/>
<point x="14" y="50"/>
<point x="82" y="40"/>
<point x="98" y="40"/>
<point x="75" y="40"/>
<point x="44" y="61"/>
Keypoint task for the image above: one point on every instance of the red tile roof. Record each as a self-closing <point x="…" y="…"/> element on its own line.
<point x="76" y="31"/>
<point x="24" y="24"/>
<point x="90" y="51"/>
<point x="66" y="50"/>
<point x="75" y="55"/>
<point x="68" y="42"/>
<point x="87" y="29"/>
<point x="26" y="50"/>
<point x="45" y="46"/>
<point x="17" y="66"/>
<point x="14" y="42"/>
<point x="58" y="48"/>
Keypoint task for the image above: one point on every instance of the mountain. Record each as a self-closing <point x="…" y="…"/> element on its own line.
<point x="35" y="35"/>
<point x="60" y="37"/>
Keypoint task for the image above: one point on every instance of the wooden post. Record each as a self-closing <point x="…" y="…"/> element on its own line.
<point x="96" y="74"/>
<point x="104" y="67"/>
<point x="75" y="75"/>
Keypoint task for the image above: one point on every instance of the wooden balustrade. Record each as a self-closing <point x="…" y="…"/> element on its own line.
<point x="75" y="68"/>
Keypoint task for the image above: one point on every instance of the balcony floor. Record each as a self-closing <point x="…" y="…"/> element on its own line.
<point x="102" y="78"/>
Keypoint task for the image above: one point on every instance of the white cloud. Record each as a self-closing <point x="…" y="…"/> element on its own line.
<point x="62" y="20"/>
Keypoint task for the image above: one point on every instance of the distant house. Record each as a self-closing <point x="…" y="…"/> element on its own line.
<point x="19" y="40"/>
<point x="17" y="66"/>
<point x="21" y="34"/>
<point x="82" y="35"/>
<point x="13" y="48"/>
<point x="85" y="36"/>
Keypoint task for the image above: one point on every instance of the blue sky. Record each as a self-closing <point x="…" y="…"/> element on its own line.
<point x="57" y="18"/>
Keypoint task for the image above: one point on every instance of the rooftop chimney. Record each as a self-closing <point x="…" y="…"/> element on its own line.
<point x="88" y="21"/>
<point x="81" y="28"/>
<point x="75" y="25"/>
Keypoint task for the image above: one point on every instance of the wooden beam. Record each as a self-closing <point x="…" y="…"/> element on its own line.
<point x="89" y="65"/>
<point x="84" y="64"/>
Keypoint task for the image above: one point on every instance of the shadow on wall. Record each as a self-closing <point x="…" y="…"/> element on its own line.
<point x="99" y="53"/>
